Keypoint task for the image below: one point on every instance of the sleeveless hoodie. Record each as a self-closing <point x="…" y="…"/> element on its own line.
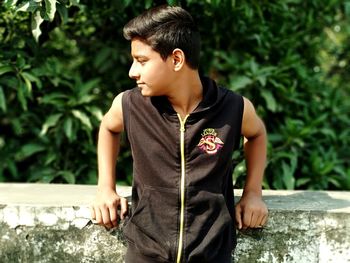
<point x="182" y="193"/>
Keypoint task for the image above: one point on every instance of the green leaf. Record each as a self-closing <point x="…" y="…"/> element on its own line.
<point x="63" y="12"/>
<point x="5" y="69"/>
<point x="36" y="22"/>
<point x="335" y="182"/>
<point x="43" y="175"/>
<point x="262" y="80"/>
<point x="28" y="150"/>
<point x="148" y="3"/>
<point x="68" y="128"/>
<point x="11" y="165"/>
<point x="83" y="118"/>
<point x="55" y="98"/>
<point x="2" y="100"/>
<point x="102" y="56"/>
<point x="21" y="96"/>
<point x="270" y="100"/>
<point x="28" y="83"/>
<point x="302" y="181"/>
<point x="86" y="88"/>
<point x="75" y="2"/>
<point x="28" y="6"/>
<point x="50" y="122"/>
<point x="96" y="112"/>
<point x="50" y="6"/>
<point x="287" y="176"/>
<point x="172" y="2"/>
<point x="126" y="3"/>
<point x="240" y="82"/>
<point x="10" y="3"/>
<point x="347" y="8"/>
<point x="68" y="176"/>
<point x="50" y="157"/>
<point x="85" y="99"/>
<point x="32" y="78"/>
<point x="20" y="61"/>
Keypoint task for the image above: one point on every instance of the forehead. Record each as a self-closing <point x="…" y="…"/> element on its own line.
<point x="140" y="49"/>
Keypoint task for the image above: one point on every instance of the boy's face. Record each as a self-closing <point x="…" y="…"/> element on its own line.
<point x="153" y="75"/>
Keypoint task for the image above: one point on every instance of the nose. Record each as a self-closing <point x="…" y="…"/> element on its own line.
<point x="134" y="71"/>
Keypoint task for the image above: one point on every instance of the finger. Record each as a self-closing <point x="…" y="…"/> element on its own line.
<point x="247" y="218"/>
<point x="113" y="215"/>
<point x="92" y="213"/>
<point x="238" y="213"/>
<point x="123" y="208"/>
<point x="260" y="221"/>
<point x="98" y="216"/>
<point x="106" y="218"/>
<point x="254" y="222"/>
<point x="264" y="219"/>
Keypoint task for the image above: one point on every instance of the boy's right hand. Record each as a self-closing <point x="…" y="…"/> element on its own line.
<point x="105" y="208"/>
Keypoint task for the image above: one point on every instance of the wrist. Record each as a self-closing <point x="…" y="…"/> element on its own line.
<point x="252" y="191"/>
<point x="106" y="187"/>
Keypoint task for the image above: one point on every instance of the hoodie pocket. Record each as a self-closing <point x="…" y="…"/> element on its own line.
<point x="153" y="225"/>
<point x="210" y="236"/>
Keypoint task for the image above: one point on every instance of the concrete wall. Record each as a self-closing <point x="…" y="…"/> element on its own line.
<point x="50" y="223"/>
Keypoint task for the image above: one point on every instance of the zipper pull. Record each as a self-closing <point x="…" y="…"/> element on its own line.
<point x="182" y="122"/>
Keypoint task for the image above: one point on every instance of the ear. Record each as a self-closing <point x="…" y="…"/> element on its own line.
<point x="178" y="58"/>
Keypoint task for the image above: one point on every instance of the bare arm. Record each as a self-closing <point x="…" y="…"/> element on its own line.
<point x="251" y="211"/>
<point x="104" y="208"/>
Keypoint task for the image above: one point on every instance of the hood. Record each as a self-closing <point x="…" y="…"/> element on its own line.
<point x="212" y="96"/>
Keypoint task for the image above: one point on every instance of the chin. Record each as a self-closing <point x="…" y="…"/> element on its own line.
<point x="146" y="93"/>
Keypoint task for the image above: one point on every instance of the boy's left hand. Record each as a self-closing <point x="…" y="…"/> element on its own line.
<point x="251" y="211"/>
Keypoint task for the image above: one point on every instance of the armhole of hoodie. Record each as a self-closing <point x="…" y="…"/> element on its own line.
<point x="240" y="109"/>
<point x="126" y="110"/>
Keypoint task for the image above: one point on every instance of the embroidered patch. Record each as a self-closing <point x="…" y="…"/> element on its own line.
<point x="209" y="143"/>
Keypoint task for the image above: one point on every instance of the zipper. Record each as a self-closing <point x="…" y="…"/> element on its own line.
<point x="183" y="172"/>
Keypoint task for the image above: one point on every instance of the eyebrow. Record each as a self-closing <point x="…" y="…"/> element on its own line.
<point x="139" y="57"/>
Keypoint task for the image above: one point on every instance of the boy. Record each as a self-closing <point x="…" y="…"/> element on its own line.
<point x="182" y="129"/>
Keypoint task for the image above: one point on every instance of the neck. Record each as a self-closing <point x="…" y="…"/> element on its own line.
<point x="187" y="93"/>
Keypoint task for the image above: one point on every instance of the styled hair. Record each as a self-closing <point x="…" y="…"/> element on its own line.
<point x="165" y="28"/>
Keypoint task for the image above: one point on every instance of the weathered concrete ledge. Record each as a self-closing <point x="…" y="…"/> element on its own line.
<point x="51" y="223"/>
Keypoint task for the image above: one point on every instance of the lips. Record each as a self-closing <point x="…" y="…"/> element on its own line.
<point x="140" y="84"/>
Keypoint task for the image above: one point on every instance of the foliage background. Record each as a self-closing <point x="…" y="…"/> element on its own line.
<point x="62" y="62"/>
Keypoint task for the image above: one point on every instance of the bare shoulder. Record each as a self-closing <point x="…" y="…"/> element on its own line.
<point x="113" y="119"/>
<point x="252" y="125"/>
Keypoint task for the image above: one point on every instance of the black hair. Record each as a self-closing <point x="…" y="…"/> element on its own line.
<point x="166" y="28"/>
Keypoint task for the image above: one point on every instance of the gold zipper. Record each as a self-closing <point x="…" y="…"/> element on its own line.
<point x="183" y="172"/>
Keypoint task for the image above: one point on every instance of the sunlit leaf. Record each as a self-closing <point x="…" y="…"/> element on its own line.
<point x="27" y="6"/>
<point x="50" y="6"/>
<point x="32" y="78"/>
<point x="36" y="22"/>
<point x="271" y="103"/>
<point x="50" y="122"/>
<point x="83" y="118"/>
<point x="10" y="2"/>
<point x="96" y="112"/>
<point x="75" y="2"/>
